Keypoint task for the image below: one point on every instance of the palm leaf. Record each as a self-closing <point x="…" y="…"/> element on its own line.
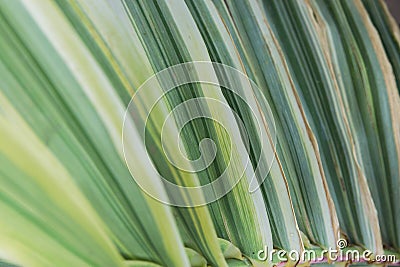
<point x="118" y="118"/>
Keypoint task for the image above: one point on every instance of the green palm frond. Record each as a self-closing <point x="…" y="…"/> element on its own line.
<point x="300" y="99"/>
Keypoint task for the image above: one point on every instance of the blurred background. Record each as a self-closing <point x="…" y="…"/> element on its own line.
<point x="394" y="8"/>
